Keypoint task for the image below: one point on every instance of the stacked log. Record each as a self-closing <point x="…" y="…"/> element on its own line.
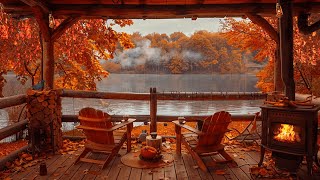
<point x="44" y="112"/>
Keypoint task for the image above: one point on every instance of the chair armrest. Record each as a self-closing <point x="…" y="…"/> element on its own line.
<point x="91" y="128"/>
<point x="188" y="128"/>
<point x="122" y="124"/>
<point x="109" y="129"/>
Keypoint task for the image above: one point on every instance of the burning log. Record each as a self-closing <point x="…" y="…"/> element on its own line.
<point x="44" y="119"/>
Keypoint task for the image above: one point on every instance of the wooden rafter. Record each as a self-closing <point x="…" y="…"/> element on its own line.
<point x="67" y="23"/>
<point x="149" y="11"/>
<point x="33" y="3"/>
<point x="264" y="24"/>
<point x="303" y="24"/>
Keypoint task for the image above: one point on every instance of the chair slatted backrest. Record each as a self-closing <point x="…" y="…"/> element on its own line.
<point x="214" y="127"/>
<point x="93" y="118"/>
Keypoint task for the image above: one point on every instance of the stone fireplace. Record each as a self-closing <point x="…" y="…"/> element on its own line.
<point x="291" y="134"/>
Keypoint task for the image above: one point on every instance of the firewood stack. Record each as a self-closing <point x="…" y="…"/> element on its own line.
<point x="44" y="107"/>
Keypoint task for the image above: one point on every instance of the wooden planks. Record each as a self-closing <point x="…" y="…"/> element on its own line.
<point x="183" y="167"/>
<point x="135" y="174"/>
<point x="34" y="170"/>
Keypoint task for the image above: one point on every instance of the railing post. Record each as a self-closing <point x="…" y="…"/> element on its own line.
<point x="153" y="110"/>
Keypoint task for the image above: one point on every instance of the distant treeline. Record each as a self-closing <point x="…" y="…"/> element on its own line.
<point x="202" y="52"/>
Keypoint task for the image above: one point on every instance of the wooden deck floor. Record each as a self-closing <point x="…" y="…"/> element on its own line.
<point x="183" y="167"/>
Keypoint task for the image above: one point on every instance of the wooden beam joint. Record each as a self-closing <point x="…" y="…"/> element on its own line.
<point x="303" y="24"/>
<point x="67" y="23"/>
<point x="264" y="24"/>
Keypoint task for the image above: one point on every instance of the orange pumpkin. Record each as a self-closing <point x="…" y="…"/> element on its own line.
<point x="148" y="152"/>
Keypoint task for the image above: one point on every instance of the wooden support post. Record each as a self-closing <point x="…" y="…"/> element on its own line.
<point x="286" y="48"/>
<point x="129" y="129"/>
<point x="48" y="64"/>
<point x="47" y="46"/>
<point x="278" y="83"/>
<point x="178" y="140"/>
<point x="48" y="36"/>
<point x="153" y="110"/>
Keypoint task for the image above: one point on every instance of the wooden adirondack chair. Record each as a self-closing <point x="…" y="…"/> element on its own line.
<point x="102" y="136"/>
<point x="208" y="140"/>
<point x="252" y="132"/>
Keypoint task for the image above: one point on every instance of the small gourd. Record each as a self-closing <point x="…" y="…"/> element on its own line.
<point x="148" y="152"/>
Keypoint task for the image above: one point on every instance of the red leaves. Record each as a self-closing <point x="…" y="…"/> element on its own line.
<point x="77" y="61"/>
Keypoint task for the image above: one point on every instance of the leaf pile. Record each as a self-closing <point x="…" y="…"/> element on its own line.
<point x="69" y="147"/>
<point x="7" y="148"/>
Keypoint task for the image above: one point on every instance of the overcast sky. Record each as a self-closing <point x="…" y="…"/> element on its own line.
<point x="168" y="26"/>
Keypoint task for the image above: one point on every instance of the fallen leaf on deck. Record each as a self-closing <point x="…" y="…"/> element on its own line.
<point x="85" y="171"/>
<point x="71" y="152"/>
<point x="56" y="174"/>
<point x="30" y="158"/>
<point x="245" y="149"/>
<point x="195" y="167"/>
<point x="220" y="172"/>
<point x="62" y="166"/>
<point x="263" y="172"/>
<point x="242" y="157"/>
<point x="255" y="170"/>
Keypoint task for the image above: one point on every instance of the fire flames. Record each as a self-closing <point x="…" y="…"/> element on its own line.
<point x="286" y="133"/>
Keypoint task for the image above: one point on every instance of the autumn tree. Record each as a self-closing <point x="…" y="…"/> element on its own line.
<point x="77" y="53"/>
<point x="246" y="35"/>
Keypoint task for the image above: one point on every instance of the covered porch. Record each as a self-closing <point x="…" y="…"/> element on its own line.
<point x="183" y="167"/>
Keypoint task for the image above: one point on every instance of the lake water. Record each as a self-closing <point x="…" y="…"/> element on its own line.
<point x="182" y="83"/>
<point x="167" y="83"/>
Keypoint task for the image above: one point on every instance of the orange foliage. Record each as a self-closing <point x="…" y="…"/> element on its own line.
<point x="77" y="52"/>
<point x="7" y="148"/>
<point x="246" y="35"/>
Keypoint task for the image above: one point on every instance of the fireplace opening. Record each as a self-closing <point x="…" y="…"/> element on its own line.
<point x="287" y="133"/>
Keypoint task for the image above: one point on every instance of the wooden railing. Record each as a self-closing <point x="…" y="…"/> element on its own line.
<point x="154" y="96"/>
<point x="14" y="128"/>
<point x="17" y="127"/>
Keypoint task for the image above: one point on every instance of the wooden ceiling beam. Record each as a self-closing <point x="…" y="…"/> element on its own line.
<point x="160" y="11"/>
<point x="174" y="11"/>
<point x="33" y="3"/>
<point x="67" y="23"/>
<point x="126" y="11"/>
<point x="303" y="24"/>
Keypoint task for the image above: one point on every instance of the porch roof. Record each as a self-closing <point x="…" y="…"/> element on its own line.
<point x="153" y="9"/>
